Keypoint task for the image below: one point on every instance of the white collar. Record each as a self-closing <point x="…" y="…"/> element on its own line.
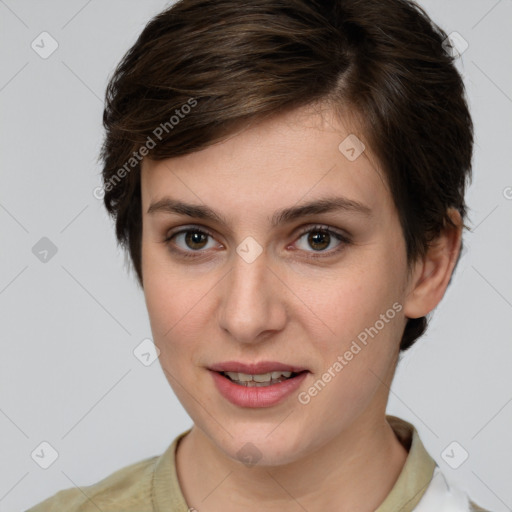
<point x="443" y="496"/>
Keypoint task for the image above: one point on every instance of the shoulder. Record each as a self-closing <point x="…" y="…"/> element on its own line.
<point x="127" y="489"/>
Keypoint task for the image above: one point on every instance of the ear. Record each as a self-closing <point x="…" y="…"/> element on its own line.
<point x="432" y="273"/>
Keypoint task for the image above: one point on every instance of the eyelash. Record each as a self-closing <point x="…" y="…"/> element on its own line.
<point x="319" y="228"/>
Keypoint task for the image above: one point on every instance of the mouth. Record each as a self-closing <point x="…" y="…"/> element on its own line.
<point x="261" y="379"/>
<point x="255" y="385"/>
<point x="262" y="374"/>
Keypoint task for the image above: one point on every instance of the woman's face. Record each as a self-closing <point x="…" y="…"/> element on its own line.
<point x="264" y="281"/>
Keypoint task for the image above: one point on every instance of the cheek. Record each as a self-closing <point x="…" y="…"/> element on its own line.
<point x="354" y="301"/>
<point x="171" y="299"/>
<point x="363" y="308"/>
<point x="365" y="316"/>
<point x="180" y="309"/>
<point x="172" y="306"/>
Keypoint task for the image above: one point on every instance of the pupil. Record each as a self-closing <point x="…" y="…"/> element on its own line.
<point x="316" y="238"/>
<point x="194" y="237"/>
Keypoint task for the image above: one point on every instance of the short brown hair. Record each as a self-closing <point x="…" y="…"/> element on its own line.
<point x="236" y="62"/>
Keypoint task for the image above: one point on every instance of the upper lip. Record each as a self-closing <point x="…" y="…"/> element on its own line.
<point x="256" y="368"/>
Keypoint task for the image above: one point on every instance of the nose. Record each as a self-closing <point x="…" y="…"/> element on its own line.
<point x="252" y="304"/>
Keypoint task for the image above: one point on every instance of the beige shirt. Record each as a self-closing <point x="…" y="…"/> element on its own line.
<point x="151" y="485"/>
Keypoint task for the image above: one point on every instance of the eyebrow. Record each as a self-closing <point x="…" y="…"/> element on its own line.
<point x="324" y="205"/>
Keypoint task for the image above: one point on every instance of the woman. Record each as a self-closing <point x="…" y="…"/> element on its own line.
<point x="288" y="178"/>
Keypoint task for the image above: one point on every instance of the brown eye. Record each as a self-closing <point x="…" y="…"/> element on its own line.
<point x="319" y="238"/>
<point x="191" y="242"/>
<point x="195" y="239"/>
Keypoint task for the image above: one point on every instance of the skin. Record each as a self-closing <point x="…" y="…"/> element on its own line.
<point x="285" y="306"/>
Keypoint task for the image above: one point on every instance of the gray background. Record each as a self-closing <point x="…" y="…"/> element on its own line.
<point x="69" y="325"/>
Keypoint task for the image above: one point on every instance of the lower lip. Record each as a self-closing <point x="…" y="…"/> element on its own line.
<point x="263" y="396"/>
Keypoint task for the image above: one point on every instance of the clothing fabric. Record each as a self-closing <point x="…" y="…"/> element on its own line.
<point x="151" y="485"/>
<point x="442" y="497"/>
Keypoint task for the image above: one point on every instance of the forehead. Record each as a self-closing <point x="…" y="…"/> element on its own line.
<point x="291" y="158"/>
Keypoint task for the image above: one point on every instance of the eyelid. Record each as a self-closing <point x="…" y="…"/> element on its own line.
<point x="323" y="227"/>
<point x="185" y="229"/>
<point x="342" y="237"/>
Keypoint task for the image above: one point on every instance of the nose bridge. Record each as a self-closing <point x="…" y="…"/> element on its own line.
<point x="250" y="302"/>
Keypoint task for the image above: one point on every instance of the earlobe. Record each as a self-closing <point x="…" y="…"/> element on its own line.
<point x="432" y="273"/>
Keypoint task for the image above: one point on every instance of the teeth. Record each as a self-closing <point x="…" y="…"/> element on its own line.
<point x="261" y="379"/>
<point x="264" y="377"/>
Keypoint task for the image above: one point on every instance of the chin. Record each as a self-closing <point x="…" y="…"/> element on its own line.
<point x="253" y="446"/>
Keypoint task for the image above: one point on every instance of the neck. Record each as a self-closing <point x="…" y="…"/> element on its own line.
<point x="356" y="470"/>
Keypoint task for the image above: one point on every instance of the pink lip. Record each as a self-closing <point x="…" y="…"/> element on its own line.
<point x="265" y="396"/>
<point x="255" y="368"/>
